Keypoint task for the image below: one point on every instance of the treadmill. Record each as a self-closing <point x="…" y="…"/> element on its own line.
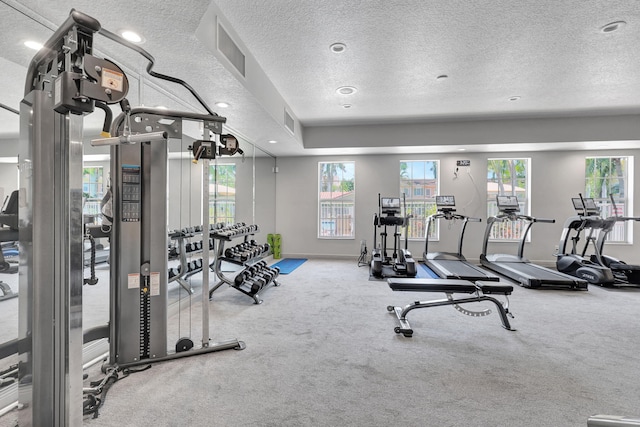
<point x="450" y="265"/>
<point x="517" y="267"/>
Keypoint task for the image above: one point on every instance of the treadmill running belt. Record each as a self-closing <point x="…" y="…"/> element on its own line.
<point x="532" y="275"/>
<point x="457" y="269"/>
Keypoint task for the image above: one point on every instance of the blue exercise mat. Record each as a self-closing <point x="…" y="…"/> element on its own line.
<point x="422" y="272"/>
<point x="426" y="273"/>
<point x="287" y="265"/>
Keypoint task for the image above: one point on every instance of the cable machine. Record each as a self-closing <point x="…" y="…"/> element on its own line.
<point x="64" y="83"/>
<point x="139" y="263"/>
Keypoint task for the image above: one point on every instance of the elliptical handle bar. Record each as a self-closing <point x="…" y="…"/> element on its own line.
<point x="547" y="220"/>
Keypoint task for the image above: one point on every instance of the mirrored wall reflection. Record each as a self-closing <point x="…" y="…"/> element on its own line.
<point x="9" y="180"/>
<point x="243" y="190"/>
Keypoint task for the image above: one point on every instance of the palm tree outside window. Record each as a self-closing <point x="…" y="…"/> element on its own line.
<point x="222" y="190"/>
<point x="606" y="177"/>
<point x="508" y="177"/>
<point x="419" y="182"/>
<point x="336" y="200"/>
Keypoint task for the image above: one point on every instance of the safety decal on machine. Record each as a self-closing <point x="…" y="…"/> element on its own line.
<point x="112" y="79"/>
<point x="133" y="280"/>
<point x="155" y="283"/>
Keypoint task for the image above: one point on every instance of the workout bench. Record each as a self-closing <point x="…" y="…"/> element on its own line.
<point x="480" y="292"/>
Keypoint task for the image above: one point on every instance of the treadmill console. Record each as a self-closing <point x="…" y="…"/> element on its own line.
<point x="588" y="207"/>
<point x="577" y="203"/>
<point x="445" y="203"/>
<point x="508" y="204"/>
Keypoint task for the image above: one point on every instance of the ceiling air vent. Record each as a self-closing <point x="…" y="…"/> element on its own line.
<point x="289" y="123"/>
<point x="228" y="48"/>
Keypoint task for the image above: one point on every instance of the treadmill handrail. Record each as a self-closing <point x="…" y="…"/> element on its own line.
<point x="450" y="216"/>
<point x="529" y="220"/>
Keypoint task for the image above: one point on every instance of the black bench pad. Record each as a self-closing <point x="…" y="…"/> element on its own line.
<point x="431" y="285"/>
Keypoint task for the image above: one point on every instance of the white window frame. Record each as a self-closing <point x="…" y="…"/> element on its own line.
<point x="215" y="198"/>
<point x="92" y="206"/>
<point x="330" y="201"/>
<point x="418" y="224"/>
<point x="621" y="228"/>
<point x="525" y="205"/>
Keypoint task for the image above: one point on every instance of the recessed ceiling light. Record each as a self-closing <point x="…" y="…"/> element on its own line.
<point x="346" y="90"/>
<point x="613" y="26"/>
<point x="442" y="77"/>
<point x="131" y="36"/>
<point x="514" y="98"/>
<point x="346" y="105"/>
<point x="272" y="141"/>
<point x="33" y="45"/>
<point x="222" y="104"/>
<point x="338" y="47"/>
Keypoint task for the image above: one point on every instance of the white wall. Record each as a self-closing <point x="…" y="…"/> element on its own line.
<point x="555" y="178"/>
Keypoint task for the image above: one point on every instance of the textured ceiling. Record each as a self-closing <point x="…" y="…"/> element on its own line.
<point x="551" y="54"/>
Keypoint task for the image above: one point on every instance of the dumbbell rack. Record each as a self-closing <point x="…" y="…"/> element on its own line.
<point x="183" y="250"/>
<point x="255" y="276"/>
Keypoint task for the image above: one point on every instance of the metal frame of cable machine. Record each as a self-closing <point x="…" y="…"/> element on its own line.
<point x="57" y="94"/>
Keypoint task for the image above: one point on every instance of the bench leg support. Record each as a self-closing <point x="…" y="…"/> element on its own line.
<point x="405" y="328"/>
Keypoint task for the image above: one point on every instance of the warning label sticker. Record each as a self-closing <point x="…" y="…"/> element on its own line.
<point x="155" y="283"/>
<point x="113" y="80"/>
<point x="133" y="281"/>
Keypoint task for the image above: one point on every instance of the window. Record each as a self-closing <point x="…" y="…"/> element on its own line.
<point x="508" y="177"/>
<point x="336" y="199"/>
<point x="419" y="183"/>
<point x="92" y="190"/>
<point x="222" y="191"/>
<point x="605" y="176"/>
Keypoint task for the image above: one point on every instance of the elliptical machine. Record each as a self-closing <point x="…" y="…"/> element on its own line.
<point x="574" y="263"/>
<point x="625" y="274"/>
<point x="401" y="263"/>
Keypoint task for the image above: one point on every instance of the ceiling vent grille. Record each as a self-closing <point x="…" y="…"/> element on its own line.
<point x="230" y="50"/>
<point x="289" y="123"/>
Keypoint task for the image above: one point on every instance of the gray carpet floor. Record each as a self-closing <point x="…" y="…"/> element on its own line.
<point x="321" y="351"/>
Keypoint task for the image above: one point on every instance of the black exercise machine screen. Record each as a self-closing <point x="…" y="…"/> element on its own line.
<point x="590" y="204"/>
<point x="577" y="203"/>
<point x="509" y="202"/>
<point x="390" y="204"/>
<point x="445" y="201"/>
